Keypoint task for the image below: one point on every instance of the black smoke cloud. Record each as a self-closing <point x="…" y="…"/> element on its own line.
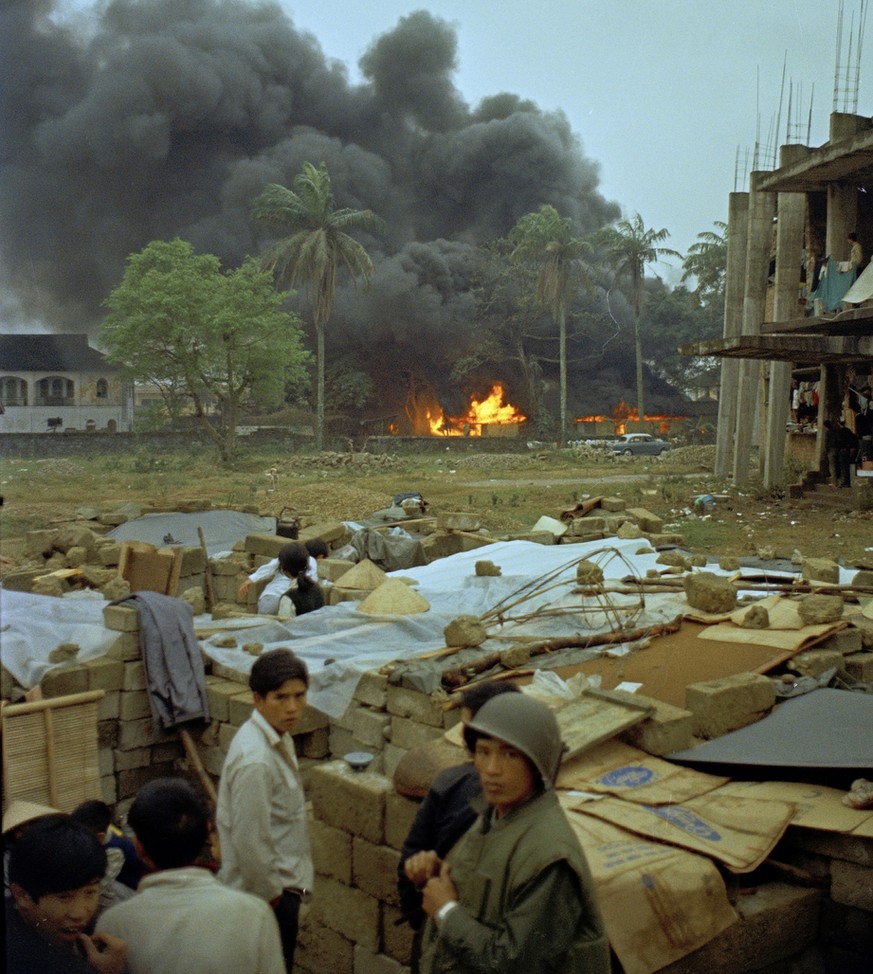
<point x="163" y="118"/>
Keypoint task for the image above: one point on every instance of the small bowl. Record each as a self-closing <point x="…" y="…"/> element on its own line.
<point x="358" y="760"/>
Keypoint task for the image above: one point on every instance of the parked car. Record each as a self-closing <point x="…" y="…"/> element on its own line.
<point x="639" y="445"/>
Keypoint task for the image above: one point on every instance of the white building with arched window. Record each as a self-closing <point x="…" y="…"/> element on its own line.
<point x="52" y="383"/>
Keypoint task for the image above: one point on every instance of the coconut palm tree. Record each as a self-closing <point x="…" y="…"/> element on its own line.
<point x="706" y="261"/>
<point x="318" y="246"/>
<point x="630" y="245"/>
<point x="547" y="239"/>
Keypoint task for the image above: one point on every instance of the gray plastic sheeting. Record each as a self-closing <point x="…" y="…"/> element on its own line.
<point x="221" y="529"/>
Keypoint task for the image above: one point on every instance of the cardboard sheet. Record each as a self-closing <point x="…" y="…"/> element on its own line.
<point x="738" y="831"/>
<point x="815" y="806"/>
<point x="618" y="769"/>
<point x="659" y="902"/>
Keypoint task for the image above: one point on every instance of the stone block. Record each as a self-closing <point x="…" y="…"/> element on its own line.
<point x="845" y="641"/>
<point x="366" y="962"/>
<point x="374" y="870"/>
<point x="129" y="782"/>
<point x="645" y="520"/>
<point x="710" y="592"/>
<point x="134" y="676"/>
<point x="371" y="727"/>
<point x="347" y="911"/>
<point x="852" y="884"/>
<point x="104" y="762"/>
<point x="391" y="757"/>
<point x="458" y="521"/>
<point x="860" y="666"/>
<point x="109" y="705"/>
<point x="397" y="936"/>
<point x="105" y="673"/>
<point x="342" y="741"/>
<point x="331" y="851"/>
<point x="668" y="729"/>
<point x="329" y="532"/>
<point x="240" y="708"/>
<point x="331" y="569"/>
<point x="440" y="545"/>
<point x="109" y="555"/>
<point x="126" y="647"/>
<point x="372" y="690"/>
<point x="109" y="789"/>
<point x="134" y="705"/>
<point x="121" y="618"/>
<point x="832" y="845"/>
<point x="400" y="813"/>
<point x="814" y="662"/>
<point x="404" y="702"/>
<point x="407" y="733"/>
<point x="820" y="570"/>
<point x="218" y="695"/>
<point x="350" y="800"/>
<point x="139" y="757"/>
<point x="775" y="921"/>
<point x="321" y="949"/>
<point x="225" y="587"/>
<point x="724" y="705"/>
<point x="107" y="733"/>
<point x="613" y="504"/>
<point x="133" y="734"/>
<point x="22" y="581"/>
<point x="863" y="578"/>
<point x="62" y="680"/>
<point x="226" y="734"/>
<point x="193" y="561"/>
<point x="261" y="543"/>
<point x="311" y="719"/>
<point x="169" y="751"/>
<point x="315" y="744"/>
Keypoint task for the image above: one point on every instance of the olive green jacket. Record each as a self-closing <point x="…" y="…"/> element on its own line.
<point x="526" y="898"/>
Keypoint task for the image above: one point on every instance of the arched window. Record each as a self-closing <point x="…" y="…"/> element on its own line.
<point x="13" y="391"/>
<point x="55" y="390"/>
<point x="102" y="389"/>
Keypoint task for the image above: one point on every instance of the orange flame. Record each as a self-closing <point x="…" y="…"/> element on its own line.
<point x="491" y="411"/>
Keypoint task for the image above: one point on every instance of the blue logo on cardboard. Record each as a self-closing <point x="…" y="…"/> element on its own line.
<point x="629" y="777"/>
<point x="686" y="820"/>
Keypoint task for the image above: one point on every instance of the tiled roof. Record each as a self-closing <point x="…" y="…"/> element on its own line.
<point x="49" y="353"/>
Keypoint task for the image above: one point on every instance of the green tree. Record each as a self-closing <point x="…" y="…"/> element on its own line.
<point x="706" y="261"/>
<point x="546" y="239"/>
<point x="178" y="322"/>
<point x="630" y="245"/>
<point x="318" y="246"/>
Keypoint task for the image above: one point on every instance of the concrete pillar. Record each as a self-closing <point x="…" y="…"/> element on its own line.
<point x="842" y="198"/>
<point x="762" y="207"/>
<point x="735" y="286"/>
<point x="791" y="223"/>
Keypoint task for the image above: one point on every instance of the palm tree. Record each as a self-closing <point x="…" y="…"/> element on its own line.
<point x="547" y="239"/>
<point x="629" y="247"/>
<point x="318" y="246"/>
<point x="706" y="261"/>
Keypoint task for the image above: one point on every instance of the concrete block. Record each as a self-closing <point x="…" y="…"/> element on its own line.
<point x="22" y="581"/>
<point x="820" y="570"/>
<point x="315" y="744"/>
<point x="107" y="733"/>
<point x="775" y="921"/>
<point x="225" y="587"/>
<point x="366" y="962"/>
<point x="408" y="733"/>
<point x="612" y="504"/>
<point x="846" y="641"/>
<point x="372" y="690"/>
<point x="371" y="727"/>
<point x="814" y="662"/>
<point x="193" y="561"/>
<point x="268" y="545"/>
<point x="347" y="911"/>
<point x="645" y="520"/>
<point x="328" y="531"/>
<point x="350" y="800"/>
<point x="668" y="729"/>
<point x="240" y="708"/>
<point x="397" y="936"/>
<point x="331" y="851"/>
<point x="342" y="741"/>
<point x="129" y="782"/>
<point x="399" y="815"/>
<point x="126" y="647"/>
<point x="391" y="756"/>
<point x="134" y="676"/>
<point x="331" y="569"/>
<point x="139" y="757"/>
<point x="104" y="761"/>
<point x="169" y="751"/>
<point x="121" y="618"/>
<point x="109" y="705"/>
<point x="62" y="680"/>
<point x="218" y="695"/>
<point x="321" y="949"/>
<point x="860" y="666"/>
<point x="311" y="719"/>
<point x="137" y="733"/>
<point x="724" y="705"/>
<point x="109" y="555"/>
<point x="108" y="789"/>
<point x="403" y="702"/>
<point x="134" y="705"/>
<point x="374" y="870"/>
<point x="458" y="521"/>
<point x="852" y="884"/>
<point x="105" y="673"/>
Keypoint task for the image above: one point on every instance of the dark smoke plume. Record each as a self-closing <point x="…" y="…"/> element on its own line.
<point x="164" y="118"/>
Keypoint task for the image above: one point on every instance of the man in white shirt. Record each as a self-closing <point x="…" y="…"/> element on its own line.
<point x="182" y="918"/>
<point x="261" y="814"/>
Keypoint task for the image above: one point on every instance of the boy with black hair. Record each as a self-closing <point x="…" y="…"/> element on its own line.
<point x="97" y="816"/>
<point x="55" y="869"/>
<point x="261" y="814"/>
<point x="183" y="918"/>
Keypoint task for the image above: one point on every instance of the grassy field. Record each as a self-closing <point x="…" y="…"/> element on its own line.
<point x="508" y="491"/>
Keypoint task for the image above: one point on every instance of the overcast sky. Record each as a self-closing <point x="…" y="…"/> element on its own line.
<point x="662" y="93"/>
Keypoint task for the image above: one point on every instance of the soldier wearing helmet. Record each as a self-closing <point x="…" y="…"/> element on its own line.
<point x="515" y="893"/>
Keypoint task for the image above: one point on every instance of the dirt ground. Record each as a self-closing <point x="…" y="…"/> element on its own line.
<point x="509" y="492"/>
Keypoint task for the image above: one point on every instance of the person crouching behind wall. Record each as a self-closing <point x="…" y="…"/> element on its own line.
<point x="305" y="595"/>
<point x="515" y="893"/>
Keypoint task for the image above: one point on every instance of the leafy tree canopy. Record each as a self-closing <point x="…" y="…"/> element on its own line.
<point x="177" y="321"/>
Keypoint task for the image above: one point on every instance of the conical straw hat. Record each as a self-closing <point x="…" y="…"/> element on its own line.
<point x="20" y="812"/>
<point x="393" y="597"/>
<point x="365" y="575"/>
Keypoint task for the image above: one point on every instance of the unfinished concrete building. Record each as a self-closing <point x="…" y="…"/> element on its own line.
<point x="804" y="209"/>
